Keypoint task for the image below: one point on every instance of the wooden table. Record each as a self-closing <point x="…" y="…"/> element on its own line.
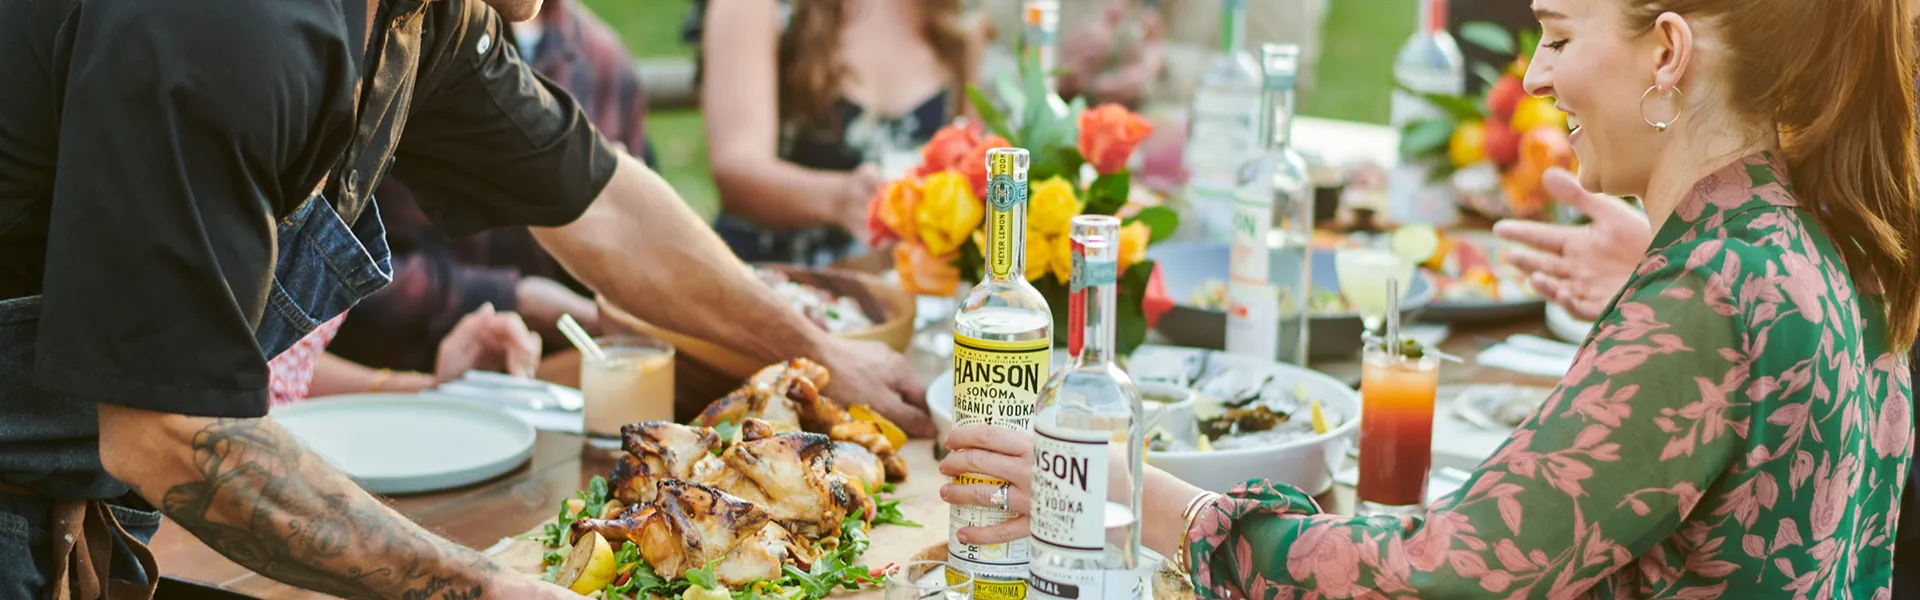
<point x="480" y="516"/>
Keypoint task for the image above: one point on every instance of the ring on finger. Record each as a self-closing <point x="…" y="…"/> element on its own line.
<point x="999" y="497"/>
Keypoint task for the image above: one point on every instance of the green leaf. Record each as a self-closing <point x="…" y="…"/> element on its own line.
<point x="1162" y="220"/>
<point x="1108" y="193"/>
<point x="1529" y="42"/>
<point x="1487" y="73"/>
<point x="703" y="577"/>
<point x="1008" y="88"/>
<point x="1426" y="137"/>
<point x="996" y="123"/>
<point x="1131" y="315"/>
<point x="1487" y="35"/>
<point x="596" y="493"/>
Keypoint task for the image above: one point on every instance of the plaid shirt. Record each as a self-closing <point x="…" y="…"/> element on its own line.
<point x="438" y="280"/>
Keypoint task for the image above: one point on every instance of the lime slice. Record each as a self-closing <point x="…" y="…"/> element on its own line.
<point x="1319" y="418"/>
<point x="1415" y="243"/>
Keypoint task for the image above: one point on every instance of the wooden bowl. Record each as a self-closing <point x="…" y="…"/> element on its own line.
<point x="890" y="308"/>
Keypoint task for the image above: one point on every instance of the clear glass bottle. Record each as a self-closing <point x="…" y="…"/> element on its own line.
<point x="1002" y="355"/>
<point x="1429" y="63"/>
<point x="1222" y="127"/>
<point x="1089" y="445"/>
<point x="1270" y="293"/>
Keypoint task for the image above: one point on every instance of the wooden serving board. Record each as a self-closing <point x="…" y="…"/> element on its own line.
<point x="920" y="502"/>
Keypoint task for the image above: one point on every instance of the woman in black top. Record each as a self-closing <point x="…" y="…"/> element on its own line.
<point x="803" y="100"/>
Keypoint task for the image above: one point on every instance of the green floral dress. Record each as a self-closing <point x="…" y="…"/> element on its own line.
<point x="1735" y="427"/>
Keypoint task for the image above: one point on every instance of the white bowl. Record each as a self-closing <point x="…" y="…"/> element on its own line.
<point x="1308" y="463"/>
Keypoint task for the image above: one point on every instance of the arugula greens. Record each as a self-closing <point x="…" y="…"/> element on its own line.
<point x="592" y="501"/>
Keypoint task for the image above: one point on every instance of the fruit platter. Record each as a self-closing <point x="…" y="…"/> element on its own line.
<point x="1494" y="148"/>
<point x="773" y="492"/>
<point x="1474" y="280"/>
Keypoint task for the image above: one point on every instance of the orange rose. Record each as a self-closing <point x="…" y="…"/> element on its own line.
<point x="894" y="204"/>
<point x="974" y="164"/>
<point x="922" y="273"/>
<point x="947" y="148"/>
<point x="1108" y="135"/>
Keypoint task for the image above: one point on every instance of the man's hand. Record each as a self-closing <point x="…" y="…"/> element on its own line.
<point x="1580" y="268"/>
<point x="870" y="373"/>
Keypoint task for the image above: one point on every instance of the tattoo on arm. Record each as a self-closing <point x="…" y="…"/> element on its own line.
<point x="260" y="499"/>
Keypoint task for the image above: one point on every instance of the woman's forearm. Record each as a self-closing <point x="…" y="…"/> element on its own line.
<point x="333" y="375"/>
<point x="1162" y="526"/>
<point x="778" y="193"/>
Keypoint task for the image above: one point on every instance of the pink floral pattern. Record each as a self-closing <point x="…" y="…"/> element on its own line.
<point x="1734" y="427"/>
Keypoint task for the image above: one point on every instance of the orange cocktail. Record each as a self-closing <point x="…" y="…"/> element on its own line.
<point x="1396" y="429"/>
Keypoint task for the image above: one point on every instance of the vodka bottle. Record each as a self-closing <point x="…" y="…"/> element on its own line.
<point x="1089" y="448"/>
<point x="1270" y="287"/>
<point x="1002" y="353"/>
<point x="1222" y="130"/>
<point x="1429" y="63"/>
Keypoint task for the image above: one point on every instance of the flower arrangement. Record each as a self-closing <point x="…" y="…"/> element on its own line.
<point x="935" y="216"/>
<point x="1497" y="146"/>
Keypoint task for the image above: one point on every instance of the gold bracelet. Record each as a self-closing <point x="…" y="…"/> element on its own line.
<point x="380" y="378"/>
<point x="1187" y="516"/>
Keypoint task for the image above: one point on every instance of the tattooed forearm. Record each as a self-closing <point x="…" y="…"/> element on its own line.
<point x="260" y="499"/>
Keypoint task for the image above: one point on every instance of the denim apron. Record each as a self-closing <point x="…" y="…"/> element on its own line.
<point x="49" y="454"/>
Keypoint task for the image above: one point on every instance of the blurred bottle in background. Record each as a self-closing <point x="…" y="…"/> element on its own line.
<point x="1429" y="63"/>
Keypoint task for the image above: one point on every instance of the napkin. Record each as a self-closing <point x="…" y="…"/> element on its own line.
<point x="1532" y="355"/>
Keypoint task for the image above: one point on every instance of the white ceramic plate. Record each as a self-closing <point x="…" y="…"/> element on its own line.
<point x="1306" y="463"/>
<point x="405" y="444"/>
<point x="1565" y="326"/>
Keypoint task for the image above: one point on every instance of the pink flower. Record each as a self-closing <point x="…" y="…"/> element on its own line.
<point x="1325" y="554"/>
<point x="1832" y="487"/>
<point x="1892" y="435"/>
<point x="1802" y="286"/>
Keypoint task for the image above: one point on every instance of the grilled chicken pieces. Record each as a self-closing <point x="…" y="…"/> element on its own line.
<point x="787" y="396"/>
<point x="657" y="450"/>
<point x="792" y="475"/>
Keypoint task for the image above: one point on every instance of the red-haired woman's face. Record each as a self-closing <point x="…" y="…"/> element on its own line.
<point x="1596" y="71"/>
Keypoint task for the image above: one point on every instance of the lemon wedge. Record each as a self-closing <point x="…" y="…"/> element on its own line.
<point x="1319" y="418"/>
<point x="589" y="568"/>
<point x="1415" y="243"/>
<point x="887" y="428"/>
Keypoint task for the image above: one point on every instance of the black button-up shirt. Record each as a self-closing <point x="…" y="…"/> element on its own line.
<point x="147" y="147"/>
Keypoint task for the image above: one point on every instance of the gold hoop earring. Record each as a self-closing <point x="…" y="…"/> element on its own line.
<point x="1679" y="106"/>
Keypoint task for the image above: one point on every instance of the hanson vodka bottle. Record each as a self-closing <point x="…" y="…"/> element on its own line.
<point x="1089" y="447"/>
<point x="1429" y="63"/>
<point x="1270" y="284"/>
<point x="1002" y="353"/>
<point x="1222" y="129"/>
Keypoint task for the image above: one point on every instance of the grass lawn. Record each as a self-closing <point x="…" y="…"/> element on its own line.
<point x="1354" y="76"/>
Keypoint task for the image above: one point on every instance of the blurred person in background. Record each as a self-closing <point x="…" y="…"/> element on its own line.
<point x="484" y="339"/>
<point x="439" y="281"/>
<point x="1142" y="52"/>
<point x="804" y="101"/>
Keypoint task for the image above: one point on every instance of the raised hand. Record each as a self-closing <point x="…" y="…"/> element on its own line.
<point x="1580" y="267"/>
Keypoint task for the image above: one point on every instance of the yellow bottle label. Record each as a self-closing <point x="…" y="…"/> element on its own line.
<point x="994" y="383"/>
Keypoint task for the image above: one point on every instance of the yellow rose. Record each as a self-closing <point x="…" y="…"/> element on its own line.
<point x="948" y="212"/>
<point x="1062" y="259"/>
<point x="1050" y="205"/>
<point x="1039" y="249"/>
<point x="1133" y="244"/>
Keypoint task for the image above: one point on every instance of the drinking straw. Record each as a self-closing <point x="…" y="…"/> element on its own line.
<point x="1393" y="317"/>
<point x="578" y="335"/>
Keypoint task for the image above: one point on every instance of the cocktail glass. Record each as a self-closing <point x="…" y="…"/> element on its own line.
<point x="633" y="384"/>
<point x="1396" y="432"/>
<point x="929" y="580"/>
<point x="1363" y="274"/>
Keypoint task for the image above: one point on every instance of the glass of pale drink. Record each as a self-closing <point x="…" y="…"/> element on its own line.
<point x="928" y="580"/>
<point x="632" y="384"/>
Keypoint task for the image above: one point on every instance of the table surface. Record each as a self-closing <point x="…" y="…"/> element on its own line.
<point x="481" y="515"/>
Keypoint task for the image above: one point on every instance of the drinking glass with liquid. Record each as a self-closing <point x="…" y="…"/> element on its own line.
<point x="632" y="384"/>
<point x="1397" y="392"/>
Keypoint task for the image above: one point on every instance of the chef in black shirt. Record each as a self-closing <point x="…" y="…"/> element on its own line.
<point x="185" y="190"/>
